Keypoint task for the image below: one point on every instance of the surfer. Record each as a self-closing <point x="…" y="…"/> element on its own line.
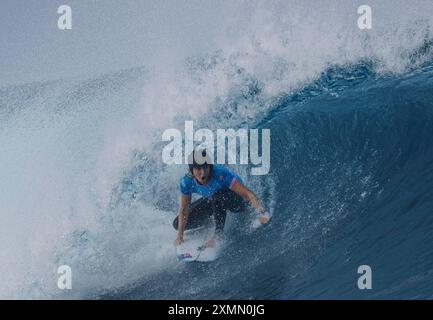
<point x="221" y="190"/>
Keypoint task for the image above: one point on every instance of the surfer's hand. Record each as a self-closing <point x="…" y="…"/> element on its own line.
<point x="178" y="240"/>
<point x="264" y="218"/>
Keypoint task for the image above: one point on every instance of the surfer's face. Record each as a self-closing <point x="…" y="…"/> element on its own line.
<point x="202" y="174"/>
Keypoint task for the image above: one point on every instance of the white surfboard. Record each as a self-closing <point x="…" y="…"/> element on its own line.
<point x="192" y="248"/>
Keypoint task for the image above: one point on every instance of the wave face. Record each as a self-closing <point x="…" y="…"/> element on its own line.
<point x="351" y="157"/>
<point x="351" y="120"/>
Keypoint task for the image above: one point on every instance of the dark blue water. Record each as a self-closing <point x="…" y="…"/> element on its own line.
<point x="352" y="163"/>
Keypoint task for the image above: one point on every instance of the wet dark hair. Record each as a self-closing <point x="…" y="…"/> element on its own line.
<point x="199" y="154"/>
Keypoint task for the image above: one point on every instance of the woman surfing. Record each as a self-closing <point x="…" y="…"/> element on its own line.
<point x="221" y="190"/>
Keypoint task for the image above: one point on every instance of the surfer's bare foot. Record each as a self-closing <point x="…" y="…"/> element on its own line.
<point x="211" y="242"/>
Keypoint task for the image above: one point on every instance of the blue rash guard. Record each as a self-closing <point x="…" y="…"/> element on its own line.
<point x="222" y="177"/>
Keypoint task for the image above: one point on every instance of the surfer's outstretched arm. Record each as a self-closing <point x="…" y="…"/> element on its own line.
<point x="185" y="201"/>
<point x="247" y="194"/>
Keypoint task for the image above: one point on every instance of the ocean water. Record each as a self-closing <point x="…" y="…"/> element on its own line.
<point x="351" y="120"/>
